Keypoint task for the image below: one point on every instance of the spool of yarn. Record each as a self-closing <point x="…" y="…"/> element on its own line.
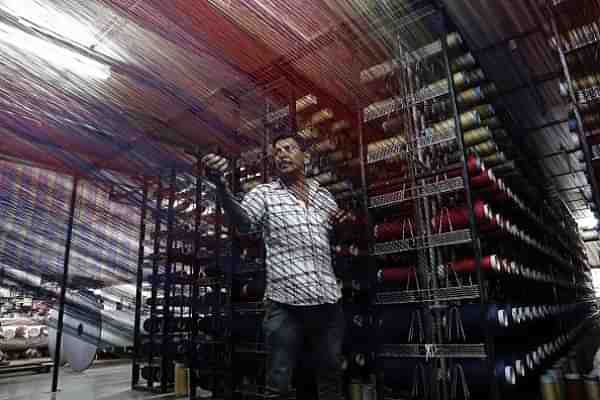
<point x="466" y="79"/>
<point x="393" y="125"/>
<point x="492" y="123"/>
<point x="392" y="231"/>
<point x="494" y="159"/>
<point x="476" y="136"/>
<point x="463" y="62"/>
<point x="485" y="148"/>
<point x="477" y="375"/>
<point x="484" y="179"/>
<point x="485" y="111"/>
<point x="468" y="265"/>
<point x="397" y="275"/>
<point x="152" y="325"/>
<point x="474" y="323"/>
<point x="384" y="144"/>
<point x="549" y="387"/>
<point x="34" y="332"/>
<point x="9" y="332"/>
<point x="468" y="120"/>
<point x="472" y="96"/>
<point x="592" y="387"/>
<point x="474" y="167"/>
<point x="521" y="369"/>
<point x="182" y="377"/>
<point x="355" y="391"/>
<point x="458" y="218"/>
<point x="499" y="193"/>
<point x="574" y="387"/>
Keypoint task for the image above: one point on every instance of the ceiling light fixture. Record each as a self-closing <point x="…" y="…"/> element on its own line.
<point x="59" y="56"/>
<point x="45" y="18"/>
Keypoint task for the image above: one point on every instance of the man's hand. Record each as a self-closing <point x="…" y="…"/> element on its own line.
<point x="214" y="169"/>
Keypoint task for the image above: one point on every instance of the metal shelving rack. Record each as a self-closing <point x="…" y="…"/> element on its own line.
<point x="430" y="192"/>
<point x="186" y="317"/>
<point x="574" y="40"/>
<point x="249" y="351"/>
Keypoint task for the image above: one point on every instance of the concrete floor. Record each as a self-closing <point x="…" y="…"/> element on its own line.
<point x="104" y="382"/>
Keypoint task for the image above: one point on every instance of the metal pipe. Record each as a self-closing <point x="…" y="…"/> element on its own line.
<point x="138" y="290"/>
<point x="63" y="287"/>
<point x="469" y="198"/>
<point x="167" y="285"/>
<point x="155" y="266"/>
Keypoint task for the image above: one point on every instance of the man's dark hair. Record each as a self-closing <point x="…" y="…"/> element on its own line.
<point x="298" y="139"/>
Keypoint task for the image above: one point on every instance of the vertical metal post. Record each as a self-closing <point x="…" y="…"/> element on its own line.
<point x="587" y="154"/>
<point x="198" y="198"/>
<point x="362" y="148"/>
<point x="135" y="368"/>
<point x="63" y="287"/>
<point x="494" y="392"/>
<point x="165" y="353"/>
<point x="154" y="289"/>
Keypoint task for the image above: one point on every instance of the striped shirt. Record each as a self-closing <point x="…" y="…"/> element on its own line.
<point x="296" y="236"/>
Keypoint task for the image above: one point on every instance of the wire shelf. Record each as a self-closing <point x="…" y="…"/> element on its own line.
<point x="431" y="139"/>
<point x="588" y="95"/>
<point x="433" y="351"/>
<point x="386" y="153"/>
<point x="415" y="192"/>
<point x="582" y="45"/>
<point x="395" y="104"/>
<point x="423" y="242"/>
<point x="428" y="295"/>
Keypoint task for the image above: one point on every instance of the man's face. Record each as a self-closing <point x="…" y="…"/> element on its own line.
<point x="289" y="157"/>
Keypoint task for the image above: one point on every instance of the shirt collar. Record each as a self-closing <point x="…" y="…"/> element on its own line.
<point x="313" y="186"/>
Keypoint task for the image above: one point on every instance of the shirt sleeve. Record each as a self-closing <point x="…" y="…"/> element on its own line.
<point x="254" y="204"/>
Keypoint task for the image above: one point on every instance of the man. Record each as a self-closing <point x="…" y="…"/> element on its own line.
<point x="302" y="294"/>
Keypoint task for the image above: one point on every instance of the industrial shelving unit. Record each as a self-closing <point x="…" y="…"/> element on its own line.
<point x="574" y="37"/>
<point x="453" y="241"/>
<point x="249" y="350"/>
<point x="334" y="164"/>
<point x="189" y="275"/>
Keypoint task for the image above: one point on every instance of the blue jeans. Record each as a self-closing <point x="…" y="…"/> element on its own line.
<point x="288" y="327"/>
